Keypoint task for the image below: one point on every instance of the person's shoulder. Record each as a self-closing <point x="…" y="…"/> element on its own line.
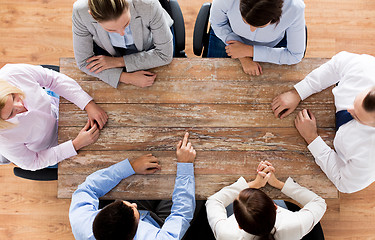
<point x="293" y="6"/>
<point x="15" y="68"/>
<point x="80" y="5"/>
<point x="142" y="3"/>
<point x="354" y="57"/>
<point x="297" y="4"/>
<point x="226" y="4"/>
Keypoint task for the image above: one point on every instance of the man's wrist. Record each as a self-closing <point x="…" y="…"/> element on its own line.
<point x="310" y="139"/>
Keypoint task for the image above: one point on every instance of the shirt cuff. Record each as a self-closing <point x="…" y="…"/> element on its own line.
<point x="126" y="168"/>
<point x="66" y="150"/>
<point x="242" y="183"/>
<point x="303" y="89"/>
<point x="185" y="169"/>
<point x="289" y="186"/>
<point x="317" y="146"/>
<point x="85" y="99"/>
<point x="259" y="53"/>
<point x="232" y="37"/>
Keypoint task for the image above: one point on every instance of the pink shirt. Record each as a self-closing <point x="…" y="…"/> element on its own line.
<point x="32" y="144"/>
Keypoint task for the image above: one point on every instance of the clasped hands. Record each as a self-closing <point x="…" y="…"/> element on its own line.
<point x="265" y="174"/>
<point x="89" y="134"/>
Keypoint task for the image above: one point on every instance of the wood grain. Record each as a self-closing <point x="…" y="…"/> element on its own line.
<point x="333" y="26"/>
<point x="138" y="186"/>
<point x="195" y="115"/>
<point x="213" y="139"/>
<point x="207" y="162"/>
<point x="223" y="85"/>
<point x="223" y="131"/>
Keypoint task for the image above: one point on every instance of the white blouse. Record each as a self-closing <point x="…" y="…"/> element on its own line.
<point x="288" y="226"/>
<point x="32" y="144"/>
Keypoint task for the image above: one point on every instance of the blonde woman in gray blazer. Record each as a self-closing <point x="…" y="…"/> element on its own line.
<point x="110" y="25"/>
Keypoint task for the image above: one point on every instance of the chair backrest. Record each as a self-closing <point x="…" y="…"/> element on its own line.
<point x="201" y="31"/>
<point x="173" y="9"/>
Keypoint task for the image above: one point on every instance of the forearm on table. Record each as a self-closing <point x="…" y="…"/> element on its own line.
<point x="328" y="161"/>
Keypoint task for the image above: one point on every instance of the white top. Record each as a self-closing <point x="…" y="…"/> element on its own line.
<point x="289" y="225"/>
<point x="32" y="144"/>
<point x="352" y="166"/>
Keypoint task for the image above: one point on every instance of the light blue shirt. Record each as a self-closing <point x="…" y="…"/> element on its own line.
<point x="85" y="202"/>
<point x="122" y="41"/>
<point x="227" y="23"/>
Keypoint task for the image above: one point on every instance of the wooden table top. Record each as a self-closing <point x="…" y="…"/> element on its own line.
<point x="226" y="112"/>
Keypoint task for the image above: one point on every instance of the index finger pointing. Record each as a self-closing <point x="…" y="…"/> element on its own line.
<point x="185" y="140"/>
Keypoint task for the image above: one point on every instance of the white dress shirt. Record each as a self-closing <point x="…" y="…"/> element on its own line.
<point x="352" y="166"/>
<point x="32" y="144"/>
<point x="227" y="23"/>
<point x="289" y="225"/>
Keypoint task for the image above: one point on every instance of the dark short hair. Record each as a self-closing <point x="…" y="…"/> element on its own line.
<point x="106" y="10"/>
<point x="369" y="101"/>
<point x="255" y="212"/>
<point x="260" y="12"/>
<point x="116" y="221"/>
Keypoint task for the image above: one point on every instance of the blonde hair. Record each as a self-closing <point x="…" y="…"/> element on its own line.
<point x="6" y="89"/>
<point x="106" y="10"/>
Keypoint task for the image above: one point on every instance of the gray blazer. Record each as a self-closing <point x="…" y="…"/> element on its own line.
<point x="150" y="25"/>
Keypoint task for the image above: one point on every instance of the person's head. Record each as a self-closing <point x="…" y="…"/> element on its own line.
<point x="112" y="15"/>
<point x="255" y="212"/>
<point x="260" y="13"/>
<point x="364" y="107"/>
<point x="117" y="221"/>
<point x="11" y="103"/>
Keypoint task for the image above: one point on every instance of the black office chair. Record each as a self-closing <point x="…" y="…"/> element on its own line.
<point x="201" y="33"/>
<point x="173" y="9"/>
<point x="46" y="174"/>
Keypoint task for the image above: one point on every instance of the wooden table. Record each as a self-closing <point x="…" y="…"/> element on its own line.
<point x="227" y="113"/>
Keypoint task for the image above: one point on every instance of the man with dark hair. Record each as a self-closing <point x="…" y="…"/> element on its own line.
<point x="122" y="220"/>
<point x="351" y="166"/>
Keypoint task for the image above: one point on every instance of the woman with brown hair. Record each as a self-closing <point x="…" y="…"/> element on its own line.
<point x="255" y="214"/>
<point x="258" y="31"/>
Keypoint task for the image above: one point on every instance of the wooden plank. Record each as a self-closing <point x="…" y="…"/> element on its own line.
<point x="207" y="162"/>
<point x="138" y="186"/>
<point x="172" y="86"/>
<point x="233" y="92"/>
<point x="195" y="115"/>
<point x="205" y="69"/>
<point x="214" y="139"/>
